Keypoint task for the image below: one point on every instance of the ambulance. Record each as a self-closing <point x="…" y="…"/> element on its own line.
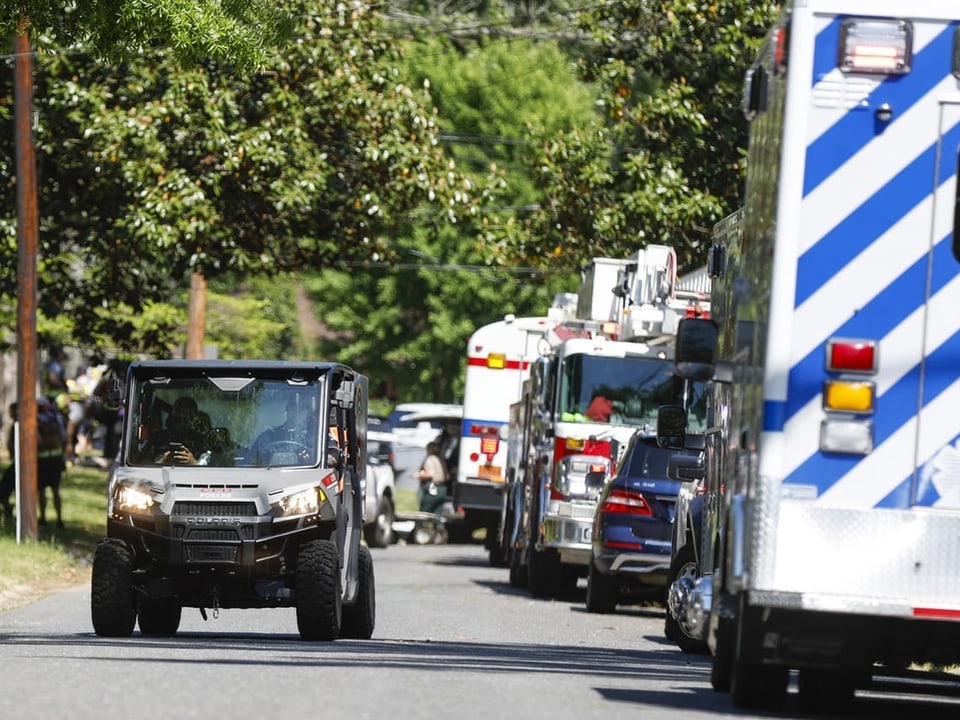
<point x="835" y="436"/>
<point x="498" y="361"/>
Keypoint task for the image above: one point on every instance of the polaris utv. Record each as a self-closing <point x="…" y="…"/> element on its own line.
<point x="238" y="485"/>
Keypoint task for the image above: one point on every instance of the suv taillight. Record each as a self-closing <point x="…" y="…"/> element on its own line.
<point x="626" y="502"/>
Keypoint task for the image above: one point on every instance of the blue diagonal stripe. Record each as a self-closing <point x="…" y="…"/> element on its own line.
<point x="856" y="129"/>
<point x="875" y="320"/>
<point x="873" y="218"/>
<point x="895" y="408"/>
<point x="825" y="50"/>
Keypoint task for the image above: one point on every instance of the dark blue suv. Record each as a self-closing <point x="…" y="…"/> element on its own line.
<point x="632" y="527"/>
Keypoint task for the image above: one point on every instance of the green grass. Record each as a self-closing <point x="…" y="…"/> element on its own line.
<point x="58" y="556"/>
<point x="406" y="500"/>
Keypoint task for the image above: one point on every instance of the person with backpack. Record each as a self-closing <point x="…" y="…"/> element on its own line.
<point x="9" y="479"/>
<point x="51" y="442"/>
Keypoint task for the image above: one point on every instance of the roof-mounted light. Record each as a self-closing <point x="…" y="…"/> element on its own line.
<point x="876" y="46"/>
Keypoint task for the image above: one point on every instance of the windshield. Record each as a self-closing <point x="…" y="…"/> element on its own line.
<point x="626" y="391"/>
<point x="223" y="422"/>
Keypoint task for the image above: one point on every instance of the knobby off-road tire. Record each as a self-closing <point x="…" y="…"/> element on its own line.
<point x="359" y="619"/>
<point x="683" y="564"/>
<point x="319" y="597"/>
<point x="601" y="591"/>
<point x="159" y="617"/>
<point x="112" y="601"/>
<point x="379" y="533"/>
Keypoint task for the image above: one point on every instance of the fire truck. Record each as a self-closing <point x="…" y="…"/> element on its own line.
<point x="600" y="378"/>
<point x="836" y="435"/>
<point x="499" y="356"/>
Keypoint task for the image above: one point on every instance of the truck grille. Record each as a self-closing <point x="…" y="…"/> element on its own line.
<point x="214" y="535"/>
<point x="212" y="553"/>
<point x="215" y="509"/>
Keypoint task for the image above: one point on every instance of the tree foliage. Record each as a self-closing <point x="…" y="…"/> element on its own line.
<point x="668" y="161"/>
<point x="153" y="169"/>
<point x="240" y="32"/>
<point x="419" y="175"/>
<point x="407" y="325"/>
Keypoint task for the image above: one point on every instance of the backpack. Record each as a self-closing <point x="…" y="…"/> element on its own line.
<point x="49" y="431"/>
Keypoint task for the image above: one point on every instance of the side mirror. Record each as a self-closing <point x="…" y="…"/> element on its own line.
<point x="503" y="433"/>
<point x="671" y="427"/>
<point x="696" y="352"/>
<point x="685" y="468"/>
<point x="114" y="396"/>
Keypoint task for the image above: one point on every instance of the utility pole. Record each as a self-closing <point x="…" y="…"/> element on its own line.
<point x="27" y="241"/>
<point x="197" y="316"/>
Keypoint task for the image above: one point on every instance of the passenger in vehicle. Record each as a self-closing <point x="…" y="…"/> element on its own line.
<point x="187" y="432"/>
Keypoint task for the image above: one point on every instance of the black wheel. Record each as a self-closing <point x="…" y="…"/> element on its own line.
<point x="683" y="565"/>
<point x="721" y="670"/>
<point x="112" y="604"/>
<point x="159" y="617"/>
<point x="518" y="573"/>
<point x="824" y="690"/>
<point x="319" y="598"/>
<point x="753" y="685"/>
<point x="601" y="591"/>
<point x="495" y="551"/>
<point x="379" y="533"/>
<point x="543" y="569"/>
<point x="359" y="618"/>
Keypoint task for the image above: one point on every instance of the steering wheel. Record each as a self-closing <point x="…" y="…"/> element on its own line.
<point x="279" y="446"/>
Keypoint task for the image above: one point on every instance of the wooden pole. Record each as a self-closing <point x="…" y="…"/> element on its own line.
<point x="27" y="242"/>
<point x="197" y="316"/>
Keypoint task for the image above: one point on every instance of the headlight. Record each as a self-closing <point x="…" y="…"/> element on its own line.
<point x="134" y="501"/>
<point x="303" y="502"/>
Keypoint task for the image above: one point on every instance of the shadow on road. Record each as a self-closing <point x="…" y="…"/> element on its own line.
<point x="606" y="667"/>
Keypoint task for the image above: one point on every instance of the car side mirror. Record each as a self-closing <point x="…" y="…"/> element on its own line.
<point x="696" y="349"/>
<point x="685" y="467"/>
<point x="671" y="427"/>
<point x="114" y="395"/>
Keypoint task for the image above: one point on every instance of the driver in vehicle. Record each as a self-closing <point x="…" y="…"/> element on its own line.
<point x="288" y="443"/>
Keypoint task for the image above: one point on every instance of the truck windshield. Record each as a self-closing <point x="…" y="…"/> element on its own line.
<point x="224" y="422"/>
<point x="626" y="391"/>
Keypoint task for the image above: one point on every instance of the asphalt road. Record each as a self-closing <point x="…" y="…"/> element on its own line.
<point x="453" y="640"/>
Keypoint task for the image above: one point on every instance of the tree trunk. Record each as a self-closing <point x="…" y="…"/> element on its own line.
<point x="196" y="326"/>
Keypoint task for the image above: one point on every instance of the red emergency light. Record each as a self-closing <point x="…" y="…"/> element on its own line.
<point x="483" y="430"/>
<point x="489" y="445"/>
<point x="856" y="356"/>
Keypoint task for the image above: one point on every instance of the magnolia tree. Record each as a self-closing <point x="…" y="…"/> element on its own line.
<point x="154" y="168"/>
